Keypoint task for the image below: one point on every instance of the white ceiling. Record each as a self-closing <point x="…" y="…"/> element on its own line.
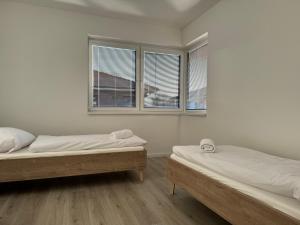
<point x="172" y="12"/>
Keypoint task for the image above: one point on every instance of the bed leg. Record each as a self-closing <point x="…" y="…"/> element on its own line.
<point x="141" y="175"/>
<point x="173" y="189"/>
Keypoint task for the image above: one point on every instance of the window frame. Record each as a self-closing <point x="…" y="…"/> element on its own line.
<point x="113" y="110"/>
<point x="168" y="51"/>
<point x="140" y="48"/>
<point x="192" y="48"/>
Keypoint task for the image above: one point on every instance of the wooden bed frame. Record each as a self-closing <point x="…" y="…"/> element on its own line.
<point x="72" y="165"/>
<point x="229" y="203"/>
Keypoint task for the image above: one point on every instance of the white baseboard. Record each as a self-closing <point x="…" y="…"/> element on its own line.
<point x="161" y="154"/>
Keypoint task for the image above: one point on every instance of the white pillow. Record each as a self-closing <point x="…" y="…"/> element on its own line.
<point x="6" y="143"/>
<point x="12" y="139"/>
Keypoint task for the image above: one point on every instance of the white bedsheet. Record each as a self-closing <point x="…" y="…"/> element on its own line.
<point x="264" y="171"/>
<point x="45" y="143"/>
<point x="24" y="153"/>
<point x="287" y="205"/>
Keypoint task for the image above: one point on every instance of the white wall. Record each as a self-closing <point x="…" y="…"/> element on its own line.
<point x="254" y="76"/>
<point x="44" y="73"/>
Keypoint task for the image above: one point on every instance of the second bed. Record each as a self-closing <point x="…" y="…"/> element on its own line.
<point x="237" y="202"/>
<point x="55" y="158"/>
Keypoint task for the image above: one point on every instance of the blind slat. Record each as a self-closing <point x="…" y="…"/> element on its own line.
<point x="114" y="77"/>
<point x="197" y="79"/>
<point x="161" y="80"/>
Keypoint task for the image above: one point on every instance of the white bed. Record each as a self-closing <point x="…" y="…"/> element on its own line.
<point x="287" y="205"/>
<point x="57" y="156"/>
<point x="26" y="165"/>
<point x="234" y="183"/>
<point x="267" y="172"/>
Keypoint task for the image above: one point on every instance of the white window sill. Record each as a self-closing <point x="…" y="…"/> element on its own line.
<point x="196" y="113"/>
<point x="136" y="112"/>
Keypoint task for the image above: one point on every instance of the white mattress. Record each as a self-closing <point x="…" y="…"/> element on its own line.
<point x="46" y="143"/>
<point x="267" y="172"/>
<point x="25" y="153"/>
<point x="287" y="205"/>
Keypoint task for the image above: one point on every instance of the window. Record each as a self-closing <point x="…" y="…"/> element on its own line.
<point x="134" y="78"/>
<point x="113" y="77"/>
<point x="161" y="80"/>
<point x="197" y="78"/>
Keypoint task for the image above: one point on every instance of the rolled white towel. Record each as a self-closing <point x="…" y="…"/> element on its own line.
<point x="122" y="134"/>
<point x="207" y="145"/>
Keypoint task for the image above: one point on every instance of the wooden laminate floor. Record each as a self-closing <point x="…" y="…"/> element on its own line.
<point x="105" y="199"/>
